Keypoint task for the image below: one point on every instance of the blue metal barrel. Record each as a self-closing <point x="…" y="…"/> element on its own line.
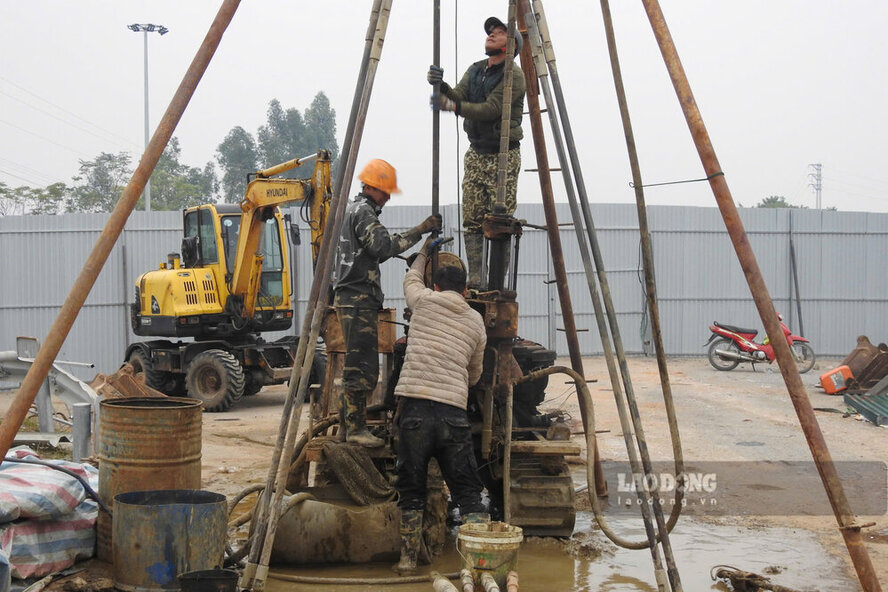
<point x="158" y="535"/>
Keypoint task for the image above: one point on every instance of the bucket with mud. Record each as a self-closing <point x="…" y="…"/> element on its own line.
<point x="144" y="444"/>
<point x="158" y="535"/>
<point x="209" y="580"/>
<point x="490" y="547"/>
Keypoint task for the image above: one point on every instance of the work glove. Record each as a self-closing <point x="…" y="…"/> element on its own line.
<point x="435" y="75"/>
<point x="432" y="223"/>
<point x="441" y="102"/>
<point x="431" y="244"/>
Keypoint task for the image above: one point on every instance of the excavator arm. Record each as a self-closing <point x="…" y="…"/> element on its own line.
<point x="263" y="195"/>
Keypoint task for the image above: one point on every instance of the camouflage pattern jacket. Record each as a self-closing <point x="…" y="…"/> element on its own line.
<point x="445" y="350"/>
<point x="363" y="244"/>
<point x="479" y="98"/>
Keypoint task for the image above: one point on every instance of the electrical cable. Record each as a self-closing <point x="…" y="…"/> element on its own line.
<point x="63" y="110"/>
<point x="357" y="581"/>
<point x="86" y="486"/>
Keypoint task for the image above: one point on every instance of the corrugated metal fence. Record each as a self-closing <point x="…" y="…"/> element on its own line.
<point x="840" y="261"/>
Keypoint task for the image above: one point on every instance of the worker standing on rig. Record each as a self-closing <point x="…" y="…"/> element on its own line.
<point x="479" y="99"/>
<point x="357" y="294"/>
<point x="445" y="354"/>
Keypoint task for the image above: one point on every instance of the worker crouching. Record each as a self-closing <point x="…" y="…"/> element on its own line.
<point x="445" y="352"/>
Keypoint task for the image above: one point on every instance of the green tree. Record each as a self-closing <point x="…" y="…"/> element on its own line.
<point x="776" y="201"/>
<point x="320" y="119"/>
<point x="32" y="200"/>
<point x="175" y="186"/>
<point x="49" y="200"/>
<point x="286" y="134"/>
<point x="100" y="183"/>
<point x="283" y="137"/>
<point x="237" y="157"/>
<point x="10" y="201"/>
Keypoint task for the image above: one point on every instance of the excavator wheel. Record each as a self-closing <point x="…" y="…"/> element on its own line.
<point x="156" y="379"/>
<point x="216" y="378"/>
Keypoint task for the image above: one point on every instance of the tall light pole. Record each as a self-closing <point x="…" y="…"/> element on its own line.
<point x="147" y="28"/>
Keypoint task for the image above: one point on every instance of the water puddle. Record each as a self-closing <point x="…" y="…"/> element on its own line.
<point x="591" y="563"/>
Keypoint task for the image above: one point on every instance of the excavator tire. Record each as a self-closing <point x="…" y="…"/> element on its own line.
<point x="216" y="378"/>
<point x="156" y="379"/>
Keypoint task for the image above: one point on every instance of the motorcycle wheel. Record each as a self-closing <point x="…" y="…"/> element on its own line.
<point x="804" y="356"/>
<point x="718" y="362"/>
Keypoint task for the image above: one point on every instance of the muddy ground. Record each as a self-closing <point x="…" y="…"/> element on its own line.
<point x="771" y="510"/>
<point x="731" y="421"/>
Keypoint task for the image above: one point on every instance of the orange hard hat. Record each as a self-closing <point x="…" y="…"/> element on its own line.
<point x="381" y="175"/>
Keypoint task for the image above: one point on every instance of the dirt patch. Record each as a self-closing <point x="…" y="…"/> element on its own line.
<point x="719" y="414"/>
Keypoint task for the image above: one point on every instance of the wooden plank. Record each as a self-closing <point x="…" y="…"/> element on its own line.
<point x="546" y="447"/>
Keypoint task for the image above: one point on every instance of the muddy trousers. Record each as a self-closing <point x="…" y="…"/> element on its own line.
<point x="427" y="430"/>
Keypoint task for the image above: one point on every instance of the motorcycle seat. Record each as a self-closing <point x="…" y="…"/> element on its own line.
<point x="736" y="329"/>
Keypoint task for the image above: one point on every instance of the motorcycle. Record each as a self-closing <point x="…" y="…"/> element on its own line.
<point x="729" y="345"/>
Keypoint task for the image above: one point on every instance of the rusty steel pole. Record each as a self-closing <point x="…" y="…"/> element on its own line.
<point x="816" y="442"/>
<point x="317" y="295"/>
<point x="647" y="255"/>
<point x="52" y="343"/>
<point x="322" y="277"/>
<point x="553" y="234"/>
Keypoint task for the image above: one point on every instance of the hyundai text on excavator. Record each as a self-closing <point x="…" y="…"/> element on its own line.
<point x="231" y="283"/>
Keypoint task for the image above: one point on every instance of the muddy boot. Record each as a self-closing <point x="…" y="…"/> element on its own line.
<point x="476" y="518"/>
<point x="411" y="538"/>
<point x="356" y="431"/>
<point x="474" y="253"/>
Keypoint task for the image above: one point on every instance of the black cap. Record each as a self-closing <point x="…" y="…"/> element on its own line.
<point x="492" y="23"/>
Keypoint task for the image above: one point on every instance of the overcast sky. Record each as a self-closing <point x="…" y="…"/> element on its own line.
<point x="781" y="84"/>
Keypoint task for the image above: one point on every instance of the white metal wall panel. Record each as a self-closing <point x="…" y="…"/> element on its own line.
<point x="840" y="259"/>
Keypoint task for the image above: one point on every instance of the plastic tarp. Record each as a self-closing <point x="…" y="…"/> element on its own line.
<point x="47" y="520"/>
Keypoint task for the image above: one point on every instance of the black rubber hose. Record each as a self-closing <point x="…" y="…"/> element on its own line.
<point x="86" y="486"/>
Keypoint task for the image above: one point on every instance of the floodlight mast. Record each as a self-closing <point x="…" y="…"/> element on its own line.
<point x="145" y="29"/>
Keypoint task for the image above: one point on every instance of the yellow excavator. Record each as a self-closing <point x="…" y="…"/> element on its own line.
<point x="230" y="284"/>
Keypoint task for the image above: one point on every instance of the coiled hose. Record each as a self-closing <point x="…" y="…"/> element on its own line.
<point x="585" y="400"/>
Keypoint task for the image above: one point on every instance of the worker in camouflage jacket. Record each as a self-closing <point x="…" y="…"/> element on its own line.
<point x="479" y="99"/>
<point x="357" y="294"/>
<point x="445" y="356"/>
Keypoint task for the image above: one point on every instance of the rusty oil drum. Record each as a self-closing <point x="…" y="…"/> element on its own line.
<point x="145" y="444"/>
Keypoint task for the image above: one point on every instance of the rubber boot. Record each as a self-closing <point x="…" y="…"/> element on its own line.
<point x="411" y="538"/>
<point x="356" y="431"/>
<point x="474" y="255"/>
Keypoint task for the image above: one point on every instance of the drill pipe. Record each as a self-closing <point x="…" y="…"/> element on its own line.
<point x="552" y="232"/>
<point x="256" y="571"/>
<point x="832" y="484"/>
<point x="540" y="34"/>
